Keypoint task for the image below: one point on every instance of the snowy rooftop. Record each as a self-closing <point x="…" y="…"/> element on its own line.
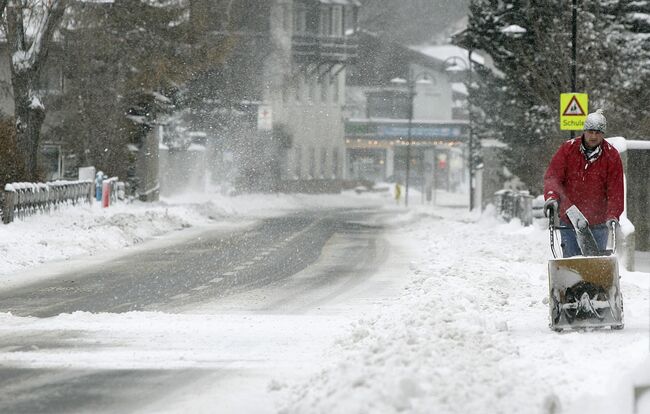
<point x="448" y="53"/>
<point x="459" y="88"/>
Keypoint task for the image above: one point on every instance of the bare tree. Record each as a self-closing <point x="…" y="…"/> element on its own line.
<point x="29" y="28"/>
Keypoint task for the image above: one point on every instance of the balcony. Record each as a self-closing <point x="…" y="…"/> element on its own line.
<point x="309" y="48"/>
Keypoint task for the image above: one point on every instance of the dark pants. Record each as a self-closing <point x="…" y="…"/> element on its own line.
<point x="570" y="243"/>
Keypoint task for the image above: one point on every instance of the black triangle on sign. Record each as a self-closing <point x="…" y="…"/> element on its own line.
<point x="574" y="108"/>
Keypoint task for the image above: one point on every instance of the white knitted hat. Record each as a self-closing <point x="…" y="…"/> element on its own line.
<point x="596" y="121"/>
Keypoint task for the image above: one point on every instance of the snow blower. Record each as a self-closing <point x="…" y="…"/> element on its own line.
<point x="584" y="291"/>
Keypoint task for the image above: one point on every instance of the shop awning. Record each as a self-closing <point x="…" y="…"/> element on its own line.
<point x="342" y="2"/>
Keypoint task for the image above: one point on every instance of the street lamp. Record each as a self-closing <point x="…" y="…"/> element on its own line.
<point x="411" y="82"/>
<point x="452" y="65"/>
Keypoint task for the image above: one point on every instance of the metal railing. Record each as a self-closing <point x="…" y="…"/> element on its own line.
<point x="24" y="199"/>
<point x="511" y="203"/>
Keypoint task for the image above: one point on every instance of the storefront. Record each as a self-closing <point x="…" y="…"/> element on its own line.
<point x="377" y="150"/>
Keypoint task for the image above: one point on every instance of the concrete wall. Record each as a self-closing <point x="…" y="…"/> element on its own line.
<point x="638" y="195"/>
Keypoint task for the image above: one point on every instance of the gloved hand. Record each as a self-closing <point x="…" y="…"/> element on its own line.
<point x="612" y="222"/>
<point x="550" y="204"/>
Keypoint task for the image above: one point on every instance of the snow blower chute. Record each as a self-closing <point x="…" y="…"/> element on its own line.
<point x="584" y="290"/>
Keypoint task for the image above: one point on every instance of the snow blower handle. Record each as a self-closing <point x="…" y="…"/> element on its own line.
<point x="552" y="217"/>
<point x="612" y="224"/>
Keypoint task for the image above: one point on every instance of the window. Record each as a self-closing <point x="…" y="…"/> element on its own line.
<point x="286" y="17"/>
<point x="350" y="19"/>
<point x="334" y="81"/>
<point x="299" y="18"/>
<point x="335" y="163"/>
<point x="336" y="28"/>
<point x="324" y="86"/>
<point x="312" y="89"/>
<point x="298" y="162"/>
<point x="323" y="161"/>
<point x="312" y="162"/>
<point x="298" y="88"/>
<point x="325" y="21"/>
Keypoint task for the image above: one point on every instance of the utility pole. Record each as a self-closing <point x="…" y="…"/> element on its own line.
<point x="574" y="36"/>
<point x="411" y="88"/>
<point x="471" y="132"/>
<point x="413" y="80"/>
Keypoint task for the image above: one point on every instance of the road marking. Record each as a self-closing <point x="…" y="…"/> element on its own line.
<point x="180" y="296"/>
<point x="216" y="280"/>
<point x="229" y="274"/>
<point x="198" y="288"/>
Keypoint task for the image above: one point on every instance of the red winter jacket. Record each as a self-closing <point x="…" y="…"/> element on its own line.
<point x="595" y="188"/>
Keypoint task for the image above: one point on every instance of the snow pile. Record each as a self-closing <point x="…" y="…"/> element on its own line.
<point x="470" y="334"/>
<point x="155" y="340"/>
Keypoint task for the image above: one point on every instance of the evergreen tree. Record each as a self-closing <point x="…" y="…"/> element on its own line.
<point x="518" y="103"/>
<point x="630" y="109"/>
<point x="132" y="64"/>
<point x="123" y="62"/>
<point x="410" y="21"/>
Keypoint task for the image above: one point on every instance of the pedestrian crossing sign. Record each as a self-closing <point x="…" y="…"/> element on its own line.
<point x="573" y="110"/>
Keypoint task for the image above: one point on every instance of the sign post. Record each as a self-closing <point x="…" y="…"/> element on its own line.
<point x="574" y="108"/>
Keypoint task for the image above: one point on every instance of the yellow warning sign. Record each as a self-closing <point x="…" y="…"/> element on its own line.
<point x="574" y="108"/>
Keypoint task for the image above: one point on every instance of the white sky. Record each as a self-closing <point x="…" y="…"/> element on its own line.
<point x="460" y="327"/>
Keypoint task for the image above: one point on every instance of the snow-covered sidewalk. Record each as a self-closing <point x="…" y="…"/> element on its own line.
<point x="470" y="335"/>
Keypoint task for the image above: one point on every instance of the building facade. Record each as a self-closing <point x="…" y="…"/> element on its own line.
<point x="288" y="61"/>
<point x="402" y="103"/>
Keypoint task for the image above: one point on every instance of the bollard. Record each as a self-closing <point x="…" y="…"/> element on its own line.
<point x="106" y="193"/>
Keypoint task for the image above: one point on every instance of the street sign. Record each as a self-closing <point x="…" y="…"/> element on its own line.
<point x="573" y="111"/>
<point x="264" y="118"/>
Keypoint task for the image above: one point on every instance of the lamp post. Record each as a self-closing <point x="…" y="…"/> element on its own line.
<point x="574" y="35"/>
<point x="451" y="64"/>
<point x="471" y="132"/>
<point x="411" y="82"/>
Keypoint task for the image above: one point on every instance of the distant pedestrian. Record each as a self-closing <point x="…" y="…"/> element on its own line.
<point x="99" y="179"/>
<point x="586" y="172"/>
<point x="398" y="193"/>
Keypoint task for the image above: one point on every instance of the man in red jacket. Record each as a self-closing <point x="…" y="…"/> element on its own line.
<point x="586" y="172"/>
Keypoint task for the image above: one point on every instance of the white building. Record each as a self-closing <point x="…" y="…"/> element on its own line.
<point x="380" y="127"/>
<point x="289" y="59"/>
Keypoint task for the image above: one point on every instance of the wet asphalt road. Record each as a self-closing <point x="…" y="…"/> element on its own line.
<point x="176" y="277"/>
